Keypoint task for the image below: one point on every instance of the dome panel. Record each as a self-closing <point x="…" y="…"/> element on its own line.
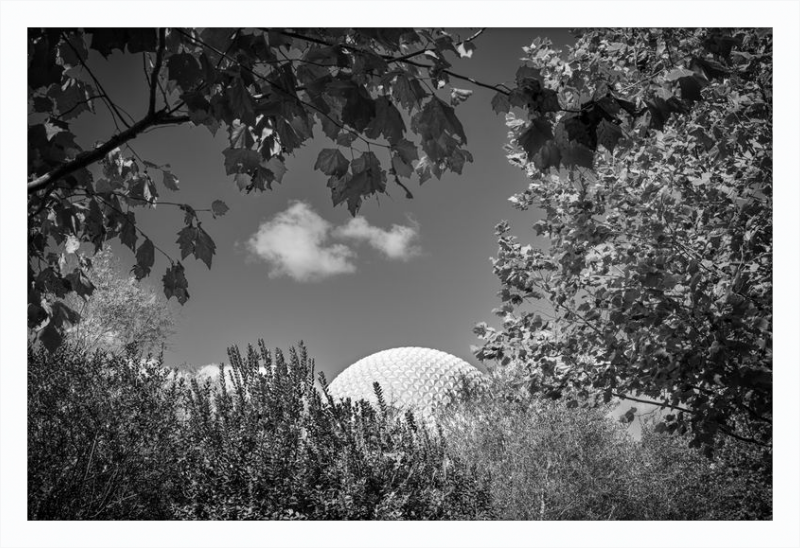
<point x="410" y="377"/>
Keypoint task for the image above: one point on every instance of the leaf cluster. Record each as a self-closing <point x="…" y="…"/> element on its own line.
<point x="659" y="265"/>
<point x="266" y="88"/>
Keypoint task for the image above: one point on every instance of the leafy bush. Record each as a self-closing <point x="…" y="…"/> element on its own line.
<point x="551" y="461"/>
<point x="275" y="447"/>
<point x="111" y="437"/>
<point x="101" y="433"/>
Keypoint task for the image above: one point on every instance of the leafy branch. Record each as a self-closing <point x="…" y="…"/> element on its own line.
<point x="86" y="159"/>
<point x="286" y="92"/>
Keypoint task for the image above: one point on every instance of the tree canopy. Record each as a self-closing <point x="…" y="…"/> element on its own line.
<point x="370" y="90"/>
<point x="657" y="202"/>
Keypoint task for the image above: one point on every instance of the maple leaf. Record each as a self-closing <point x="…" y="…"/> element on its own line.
<point x="175" y="284"/>
<point x="331" y="162"/>
<point x="71" y="50"/>
<point x="659" y="112"/>
<point x="169" y="180"/>
<point x="79" y="283"/>
<point x="387" y="121"/>
<point x="218" y="208"/>
<point x="72" y="98"/>
<point x="691" y="86"/>
<point x="145" y="257"/>
<point x="240" y="135"/>
<point x="458" y="96"/>
<point x="359" y="107"/>
<point x="500" y="103"/>
<point x="106" y="40"/>
<point x="127" y="234"/>
<point x="186" y="240"/>
<point x="185" y="69"/>
<point x="240" y="101"/>
<point x="204" y="246"/>
<point x="367" y="178"/>
<point x="239" y="160"/>
<point x="608" y="134"/>
<point x="465" y="49"/>
<point x="401" y="167"/>
<point x="535" y="136"/>
<point x="408" y="92"/>
<point x="548" y="156"/>
<point x="440" y="129"/>
<point x="572" y="128"/>
<point x="196" y="241"/>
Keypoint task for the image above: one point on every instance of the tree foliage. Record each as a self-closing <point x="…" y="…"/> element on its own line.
<point x="267" y="89"/>
<point x="121" y="310"/>
<point x="656" y="195"/>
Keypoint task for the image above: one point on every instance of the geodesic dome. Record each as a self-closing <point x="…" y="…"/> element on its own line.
<point x="411" y="377"/>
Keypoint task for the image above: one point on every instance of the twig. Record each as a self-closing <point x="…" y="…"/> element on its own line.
<point x="109" y="103"/>
<point x="156" y="69"/>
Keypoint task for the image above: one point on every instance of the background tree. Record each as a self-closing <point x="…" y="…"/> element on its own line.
<point x="656" y="192"/>
<point x="267" y="88"/>
<point x="121" y="310"/>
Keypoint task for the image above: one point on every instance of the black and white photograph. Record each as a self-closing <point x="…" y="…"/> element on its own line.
<point x="505" y="274"/>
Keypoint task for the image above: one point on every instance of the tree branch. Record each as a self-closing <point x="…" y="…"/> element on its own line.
<point x="402" y="59"/>
<point x="156" y="69"/>
<point x="87" y="158"/>
<point x="285" y="92"/>
<point x="107" y="99"/>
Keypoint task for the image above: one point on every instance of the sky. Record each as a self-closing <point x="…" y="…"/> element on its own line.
<point x="289" y="266"/>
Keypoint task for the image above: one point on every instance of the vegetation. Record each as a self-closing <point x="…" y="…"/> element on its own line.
<point x="659" y="268"/>
<point x="111" y="437"/>
<point x="120" y="311"/>
<point x="116" y="437"/>
<point x="268" y="88"/>
<point x="650" y="156"/>
<point x="549" y="461"/>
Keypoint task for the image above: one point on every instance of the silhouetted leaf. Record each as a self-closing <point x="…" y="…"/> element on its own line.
<point x="535" y="136"/>
<point x="175" y="284"/>
<point x="169" y="180"/>
<point x="500" y="104"/>
<point x="331" y="162"/>
<point x="239" y="160"/>
<point x="185" y="69"/>
<point x="145" y="257"/>
<point x="387" y="121"/>
<point x="218" y="208"/>
<point x="608" y="135"/>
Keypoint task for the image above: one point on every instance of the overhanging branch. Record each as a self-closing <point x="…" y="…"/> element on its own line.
<point x="87" y="158"/>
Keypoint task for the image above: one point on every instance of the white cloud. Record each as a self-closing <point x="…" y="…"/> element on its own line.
<point x="395" y="243"/>
<point x="297" y="243"/>
<point x="293" y="244"/>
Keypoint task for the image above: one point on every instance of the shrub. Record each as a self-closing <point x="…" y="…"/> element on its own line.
<point x="276" y="447"/>
<point x="549" y="460"/>
<point x="101" y="433"/>
<point x="114" y="437"/>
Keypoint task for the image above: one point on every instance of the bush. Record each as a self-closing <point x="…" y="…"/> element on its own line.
<point x="112" y="437"/>
<point x="276" y="447"/>
<point x="101" y="436"/>
<point x="550" y="461"/>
